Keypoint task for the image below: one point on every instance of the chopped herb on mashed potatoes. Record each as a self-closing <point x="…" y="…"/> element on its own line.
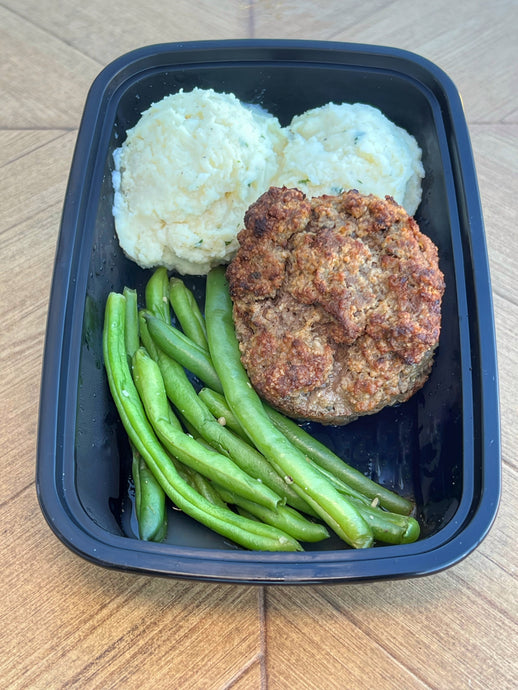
<point x="195" y="161"/>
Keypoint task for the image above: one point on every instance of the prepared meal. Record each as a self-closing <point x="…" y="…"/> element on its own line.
<point x="345" y="146"/>
<point x="337" y="303"/>
<point x="185" y="175"/>
<point x="440" y="449"/>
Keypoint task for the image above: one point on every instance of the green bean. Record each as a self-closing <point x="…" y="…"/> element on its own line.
<point x="150" y="506"/>
<point x="322" y="456"/>
<point x="220" y="468"/>
<point x="145" y="336"/>
<point x="341" y="486"/>
<point x="157" y="295"/>
<point x="183" y="395"/>
<point x="311" y="447"/>
<point x="291" y="521"/>
<point x="217" y="404"/>
<point x="198" y="482"/>
<point x="187" y="312"/>
<point x="326" y="459"/>
<point x="284" y="517"/>
<point x="152" y="350"/>
<point x="179" y="347"/>
<point x="149" y="495"/>
<point x="203" y="485"/>
<point x="333" y="469"/>
<point x="292" y="499"/>
<point x="132" y="337"/>
<point x="333" y="508"/>
<point x="246" y="533"/>
<point x="389" y="528"/>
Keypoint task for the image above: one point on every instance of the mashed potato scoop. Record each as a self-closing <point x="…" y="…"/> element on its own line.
<point x="185" y="175"/>
<point x="339" y="147"/>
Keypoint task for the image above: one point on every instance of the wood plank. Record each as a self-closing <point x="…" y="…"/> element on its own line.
<point x="99" y="628"/>
<point x="497" y="168"/>
<point x="301" y="20"/>
<point x="454" y="629"/>
<point x="15" y="143"/>
<point x="493" y="567"/>
<point x="313" y="638"/>
<point x="31" y="199"/>
<point x="34" y="181"/>
<point x="434" y="632"/>
<point x="251" y="677"/>
<point x="473" y="42"/>
<point x="103" y="30"/>
<point x="43" y="81"/>
<point x="506" y="319"/>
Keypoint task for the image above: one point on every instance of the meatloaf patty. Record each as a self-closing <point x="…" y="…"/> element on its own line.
<point x="336" y="302"/>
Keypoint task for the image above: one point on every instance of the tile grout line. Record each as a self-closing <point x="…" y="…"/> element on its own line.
<point x="242" y="671"/>
<point x="37" y="128"/>
<point x="491" y="123"/>
<point x="14" y="497"/>
<point x="52" y="35"/>
<point x="261" y="606"/>
<point x="60" y="132"/>
<point x="481" y="594"/>
<point x="251" y="19"/>
<point x="356" y="621"/>
<point x="503" y="296"/>
<point x="336" y="32"/>
<point x="33" y="215"/>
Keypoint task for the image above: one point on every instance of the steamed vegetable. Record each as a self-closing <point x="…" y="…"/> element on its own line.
<point x="220" y="454"/>
<point x="246" y="532"/>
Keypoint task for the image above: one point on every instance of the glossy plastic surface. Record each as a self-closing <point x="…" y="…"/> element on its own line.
<point x="442" y="447"/>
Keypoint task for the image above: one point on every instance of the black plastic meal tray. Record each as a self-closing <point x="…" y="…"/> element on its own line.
<point x="441" y="448"/>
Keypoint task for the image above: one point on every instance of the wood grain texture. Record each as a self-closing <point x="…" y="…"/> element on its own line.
<point x="466" y="40"/>
<point x="66" y="623"/>
<point x="494" y="150"/>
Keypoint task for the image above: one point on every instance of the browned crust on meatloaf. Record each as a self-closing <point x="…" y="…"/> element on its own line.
<point x="337" y="303"/>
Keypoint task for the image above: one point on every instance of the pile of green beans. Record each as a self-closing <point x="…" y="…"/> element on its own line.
<point x="216" y="450"/>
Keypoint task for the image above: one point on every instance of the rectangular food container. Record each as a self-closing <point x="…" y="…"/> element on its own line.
<point x="442" y="447"/>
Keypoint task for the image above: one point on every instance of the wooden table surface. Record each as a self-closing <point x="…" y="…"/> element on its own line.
<point x="67" y="623"/>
